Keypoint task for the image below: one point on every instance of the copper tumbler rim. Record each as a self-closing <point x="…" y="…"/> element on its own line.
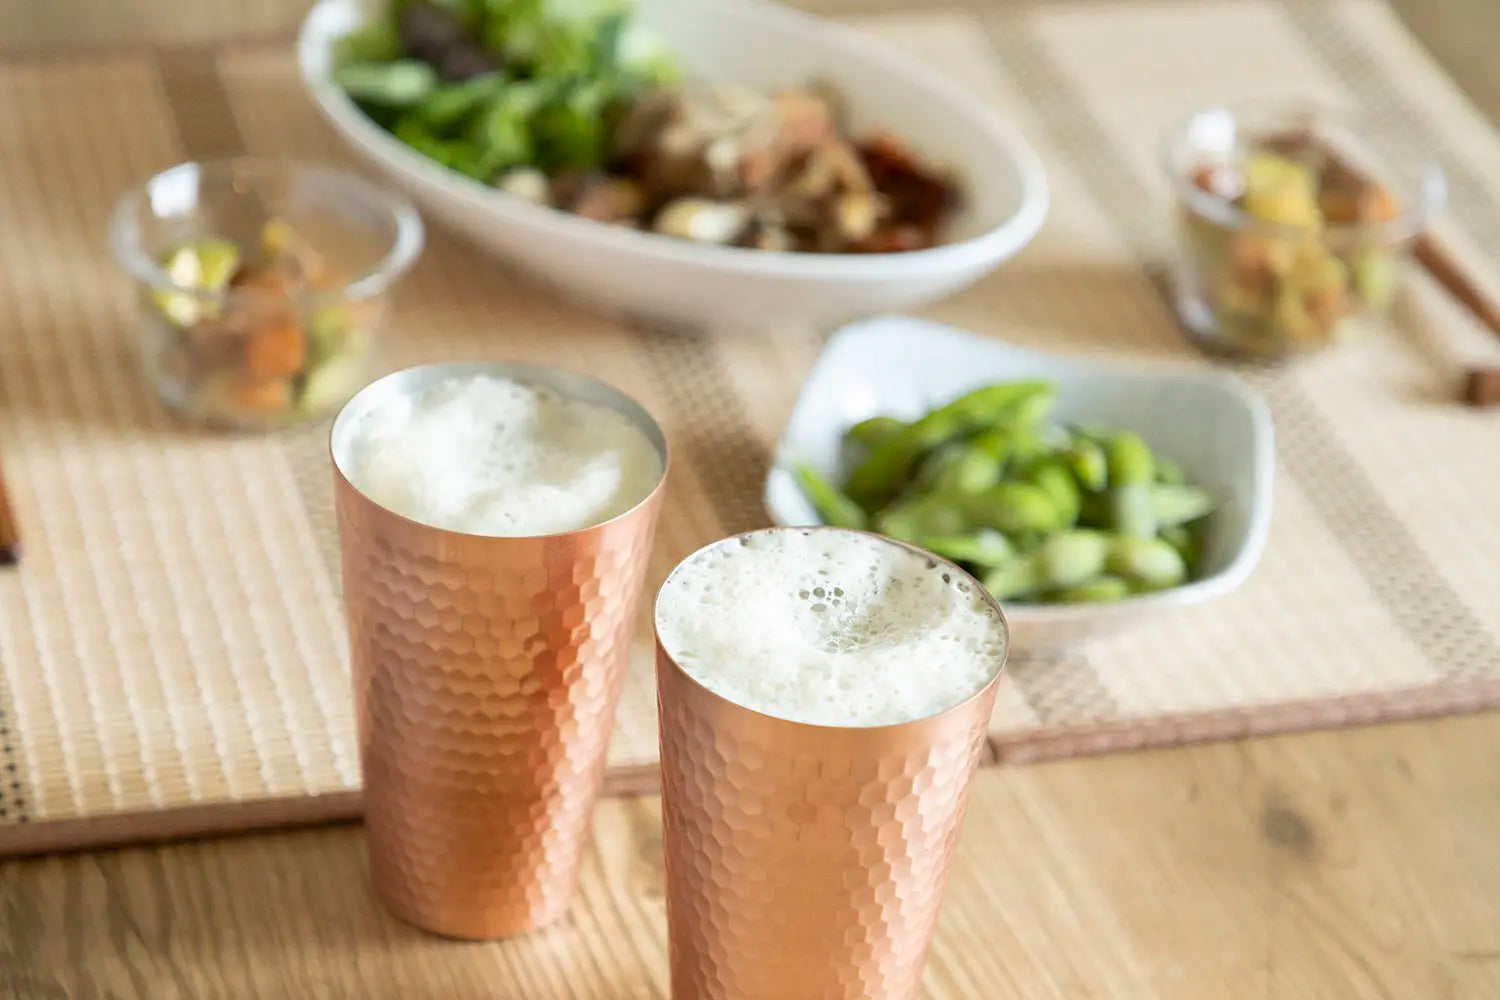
<point x="574" y="384"/>
<point x="936" y="560"/>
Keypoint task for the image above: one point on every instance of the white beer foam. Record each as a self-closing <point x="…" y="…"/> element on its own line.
<point x="488" y="455"/>
<point x="832" y="628"/>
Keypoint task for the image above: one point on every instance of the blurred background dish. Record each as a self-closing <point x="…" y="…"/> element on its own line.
<point x="647" y="274"/>
<point x="1291" y="219"/>
<point x="262" y="285"/>
<point x="1210" y="424"/>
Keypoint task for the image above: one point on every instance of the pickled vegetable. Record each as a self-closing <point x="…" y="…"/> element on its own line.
<point x="254" y="336"/>
<point x="1311" y="251"/>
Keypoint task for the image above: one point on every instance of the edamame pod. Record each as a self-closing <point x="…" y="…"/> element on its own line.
<point x="1130" y="460"/>
<point x="883" y="472"/>
<point x="1148" y="563"/>
<point x="1100" y="588"/>
<point x="1131" y="512"/>
<point x="912" y="519"/>
<point x="1185" y="541"/>
<point x="995" y="442"/>
<point x="831" y="504"/>
<point x="1173" y="505"/>
<point x="1066" y="559"/>
<point x="1014" y="507"/>
<point x="1090" y="467"/>
<point x="960" y="469"/>
<point x="986" y="548"/>
<point x="1055" y="479"/>
<point x="1072" y="557"/>
<point x="873" y="432"/>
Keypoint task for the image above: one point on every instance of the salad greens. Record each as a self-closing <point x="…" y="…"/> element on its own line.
<point x="486" y="86"/>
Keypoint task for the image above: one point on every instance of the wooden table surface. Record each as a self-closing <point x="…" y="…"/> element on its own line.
<point x="1347" y="865"/>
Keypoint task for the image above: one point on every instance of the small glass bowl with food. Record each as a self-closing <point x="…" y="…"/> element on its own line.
<point x="262" y="285"/>
<point x="1291" y="220"/>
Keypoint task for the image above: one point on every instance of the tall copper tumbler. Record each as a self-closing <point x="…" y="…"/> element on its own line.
<point x="806" y="862"/>
<point x="486" y="672"/>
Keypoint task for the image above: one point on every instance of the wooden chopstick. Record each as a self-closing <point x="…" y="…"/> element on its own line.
<point x="1449" y="270"/>
<point x="1481" y="385"/>
<point x="10" y="534"/>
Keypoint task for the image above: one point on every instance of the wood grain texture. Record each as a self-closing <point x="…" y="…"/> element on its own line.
<point x="1353" y="864"/>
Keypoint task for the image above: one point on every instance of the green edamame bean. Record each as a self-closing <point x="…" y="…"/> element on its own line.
<point x="1072" y="557"/>
<point x="1056" y="480"/>
<point x="888" y="465"/>
<point x="986" y="548"/>
<point x="912" y="519"/>
<point x="1173" y="505"/>
<point x="1088" y="463"/>
<point x="1066" y="559"/>
<point x="873" y="432"/>
<point x="958" y="468"/>
<point x="1131" y="512"/>
<point x="1014" y="507"/>
<point x="1004" y="402"/>
<point x="830" y="503"/>
<point x="1148" y="563"/>
<point x="1130" y="459"/>
<point x="1185" y="541"/>
<point x="1099" y="589"/>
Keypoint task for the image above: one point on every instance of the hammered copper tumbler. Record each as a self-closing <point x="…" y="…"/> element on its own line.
<point x="486" y="672"/>
<point x="806" y="862"/>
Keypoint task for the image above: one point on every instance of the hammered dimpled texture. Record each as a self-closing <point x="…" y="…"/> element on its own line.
<point x="486" y="672"/>
<point x="806" y="862"/>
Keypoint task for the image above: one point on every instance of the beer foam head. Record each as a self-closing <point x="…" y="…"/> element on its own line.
<point x="489" y="455"/>
<point x="834" y="628"/>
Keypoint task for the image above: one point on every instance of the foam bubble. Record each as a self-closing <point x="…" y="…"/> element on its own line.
<point x="489" y="455"/>
<point x="832" y="628"/>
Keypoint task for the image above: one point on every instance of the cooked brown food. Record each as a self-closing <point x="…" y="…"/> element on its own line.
<point x="734" y="166"/>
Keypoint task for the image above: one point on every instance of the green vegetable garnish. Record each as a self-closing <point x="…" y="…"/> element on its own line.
<point x="568" y="69"/>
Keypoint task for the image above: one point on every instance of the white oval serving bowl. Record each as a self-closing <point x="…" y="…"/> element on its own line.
<point x="1211" y="423"/>
<point x="668" y="280"/>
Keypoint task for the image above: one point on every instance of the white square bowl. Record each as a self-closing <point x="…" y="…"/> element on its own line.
<point x="1211" y="423"/>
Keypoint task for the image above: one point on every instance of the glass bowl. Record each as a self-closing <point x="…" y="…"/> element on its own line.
<point x="1291" y="219"/>
<point x="262" y="285"/>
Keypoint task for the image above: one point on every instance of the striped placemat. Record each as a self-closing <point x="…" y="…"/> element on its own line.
<point x="172" y="655"/>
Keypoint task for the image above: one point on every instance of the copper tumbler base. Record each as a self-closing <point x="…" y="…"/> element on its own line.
<point x="486" y="672"/>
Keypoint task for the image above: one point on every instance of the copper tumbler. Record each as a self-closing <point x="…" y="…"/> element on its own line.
<point x="485" y="672"/>
<point x="806" y="862"/>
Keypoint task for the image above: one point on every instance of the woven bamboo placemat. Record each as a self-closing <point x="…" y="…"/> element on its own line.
<point x="172" y="653"/>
